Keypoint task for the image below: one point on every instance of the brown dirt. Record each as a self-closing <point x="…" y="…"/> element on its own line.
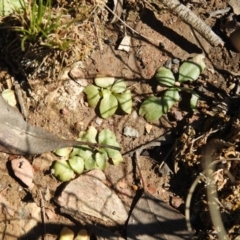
<point x="57" y="106"/>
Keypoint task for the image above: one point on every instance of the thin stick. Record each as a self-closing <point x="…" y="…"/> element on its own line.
<point x="191" y="19"/>
<point x="137" y="155"/>
<point x="187" y="16"/>
<point x="19" y="95"/>
<point x="166" y="138"/>
<point x="42" y="213"/>
<point x="188" y="202"/>
<point x="126" y="25"/>
<point x="163" y="161"/>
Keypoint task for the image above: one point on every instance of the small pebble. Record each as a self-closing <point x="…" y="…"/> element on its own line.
<point x="64" y="111"/>
<point x="162" y="45"/>
<point x="175" y="61"/>
<point x="166" y="186"/>
<point x="176" y="201"/>
<point x="168" y="64"/>
<point x="83" y="82"/>
<point x="98" y="121"/>
<point x="76" y="73"/>
<point x="130" y="132"/>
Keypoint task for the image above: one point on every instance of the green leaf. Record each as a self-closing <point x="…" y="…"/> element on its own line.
<point x="108" y="105"/>
<point x="89" y="135"/>
<point x="165" y="77"/>
<point x="119" y="86"/>
<point x="87" y="155"/>
<point x="90" y="163"/>
<point x="108" y="137"/>
<point x="194" y="100"/>
<point x="151" y="109"/>
<point x="77" y="164"/>
<point x="63" y="152"/>
<point x="74" y="152"/>
<point x="191" y="69"/>
<point x="63" y="171"/>
<point x="104" y="82"/>
<point x="85" y="152"/>
<point x="125" y="101"/>
<point x="93" y="95"/>
<point x="101" y="158"/>
<point x="169" y="98"/>
<point x="115" y="155"/>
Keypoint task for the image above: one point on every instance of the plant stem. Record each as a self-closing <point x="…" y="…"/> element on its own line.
<point x="193" y="20"/>
<point x="185" y="89"/>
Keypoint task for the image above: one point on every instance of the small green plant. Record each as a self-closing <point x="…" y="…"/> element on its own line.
<point x="153" y="107"/>
<point x="39" y="23"/>
<point x="111" y="93"/>
<point x="85" y="158"/>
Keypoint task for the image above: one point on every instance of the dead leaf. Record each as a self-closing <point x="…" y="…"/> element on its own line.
<point x="23" y="170"/>
<point x="18" y="137"/>
<point x="154" y="219"/>
<point x="87" y="194"/>
<point x="125" y="44"/>
<point x="148" y="127"/>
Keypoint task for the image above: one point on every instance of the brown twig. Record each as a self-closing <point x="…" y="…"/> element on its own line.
<point x="166" y="138"/>
<point x="186" y="15"/>
<point x="42" y="213"/>
<point x="19" y="95"/>
<point x="137" y="155"/>
<point x="191" y="19"/>
<point x="130" y="28"/>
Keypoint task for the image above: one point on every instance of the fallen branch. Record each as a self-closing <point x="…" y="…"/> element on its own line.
<point x="192" y="20"/>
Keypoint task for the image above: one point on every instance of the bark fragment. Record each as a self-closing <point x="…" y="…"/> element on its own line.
<point x="193" y="20"/>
